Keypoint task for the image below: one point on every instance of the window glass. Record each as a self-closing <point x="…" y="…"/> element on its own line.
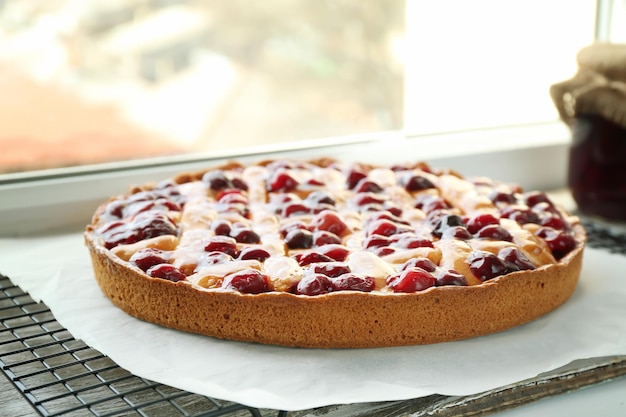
<point x="88" y="81"/>
<point x="472" y="64"/>
<point x="612" y="15"/>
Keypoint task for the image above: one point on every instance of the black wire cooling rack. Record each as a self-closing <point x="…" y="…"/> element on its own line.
<point x="61" y="376"/>
<point x="604" y="237"/>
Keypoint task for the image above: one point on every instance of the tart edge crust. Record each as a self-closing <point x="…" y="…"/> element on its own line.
<point x="346" y="319"/>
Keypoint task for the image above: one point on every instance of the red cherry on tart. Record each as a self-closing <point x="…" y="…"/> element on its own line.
<point x="536" y="197"/>
<point x="415" y="182"/>
<point x="331" y="268"/>
<point x="292" y="225"/>
<point x="282" y="181"/>
<point x="355" y="174"/>
<point x="384" y="227"/>
<point x="320" y="197"/>
<point x="423" y="263"/>
<point x="478" y="221"/>
<point x="221" y="227"/>
<point x="259" y="254"/>
<point x="388" y="215"/>
<point x="335" y="251"/>
<point x="292" y="209"/>
<point x="365" y="199"/>
<point x="367" y="186"/>
<point x="166" y="271"/>
<point x="412" y="280"/>
<point x="217" y="180"/>
<point x="245" y="235"/>
<point x="145" y="225"/>
<point x="519" y="213"/>
<point x="323" y="238"/>
<point x="495" y="232"/>
<point x="486" y="265"/>
<point x="448" y="221"/>
<point x="312" y="256"/>
<point x="516" y="257"/>
<point x="352" y="282"/>
<point x="411" y="241"/>
<point x="314" y="284"/>
<point x="456" y="232"/>
<point x="148" y="257"/>
<point x="275" y="252"/>
<point x="329" y="221"/>
<point x="299" y="239"/>
<point x="559" y="241"/>
<point x="225" y="244"/>
<point x="504" y="197"/>
<point x="248" y="281"/>
<point x="450" y="277"/>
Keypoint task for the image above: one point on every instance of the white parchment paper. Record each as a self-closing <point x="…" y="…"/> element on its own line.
<point x="57" y="271"/>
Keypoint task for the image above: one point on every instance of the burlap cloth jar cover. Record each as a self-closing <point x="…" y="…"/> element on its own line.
<point x="593" y="104"/>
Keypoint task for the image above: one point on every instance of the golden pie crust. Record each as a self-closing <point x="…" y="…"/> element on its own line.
<point x="340" y="319"/>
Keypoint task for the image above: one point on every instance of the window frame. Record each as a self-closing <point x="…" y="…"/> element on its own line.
<point x="63" y="200"/>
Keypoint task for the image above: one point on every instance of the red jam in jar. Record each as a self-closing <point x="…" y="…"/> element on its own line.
<point x="597" y="167"/>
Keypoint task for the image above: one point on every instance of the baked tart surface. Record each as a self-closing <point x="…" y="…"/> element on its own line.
<point x="334" y="254"/>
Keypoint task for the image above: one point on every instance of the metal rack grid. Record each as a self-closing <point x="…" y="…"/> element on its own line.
<point x="59" y="375"/>
<point x="604" y="237"/>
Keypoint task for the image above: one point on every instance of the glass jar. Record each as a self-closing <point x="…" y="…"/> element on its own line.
<point x="597" y="167"/>
<point x="593" y="104"/>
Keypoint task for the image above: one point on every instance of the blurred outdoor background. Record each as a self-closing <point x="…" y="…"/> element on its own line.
<point x="88" y="81"/>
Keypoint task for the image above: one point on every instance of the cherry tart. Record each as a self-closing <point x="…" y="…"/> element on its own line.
<point x="334" y="254"/>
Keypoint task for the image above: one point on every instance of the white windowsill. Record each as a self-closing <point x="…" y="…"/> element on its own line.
<point x="534" y="156"/>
